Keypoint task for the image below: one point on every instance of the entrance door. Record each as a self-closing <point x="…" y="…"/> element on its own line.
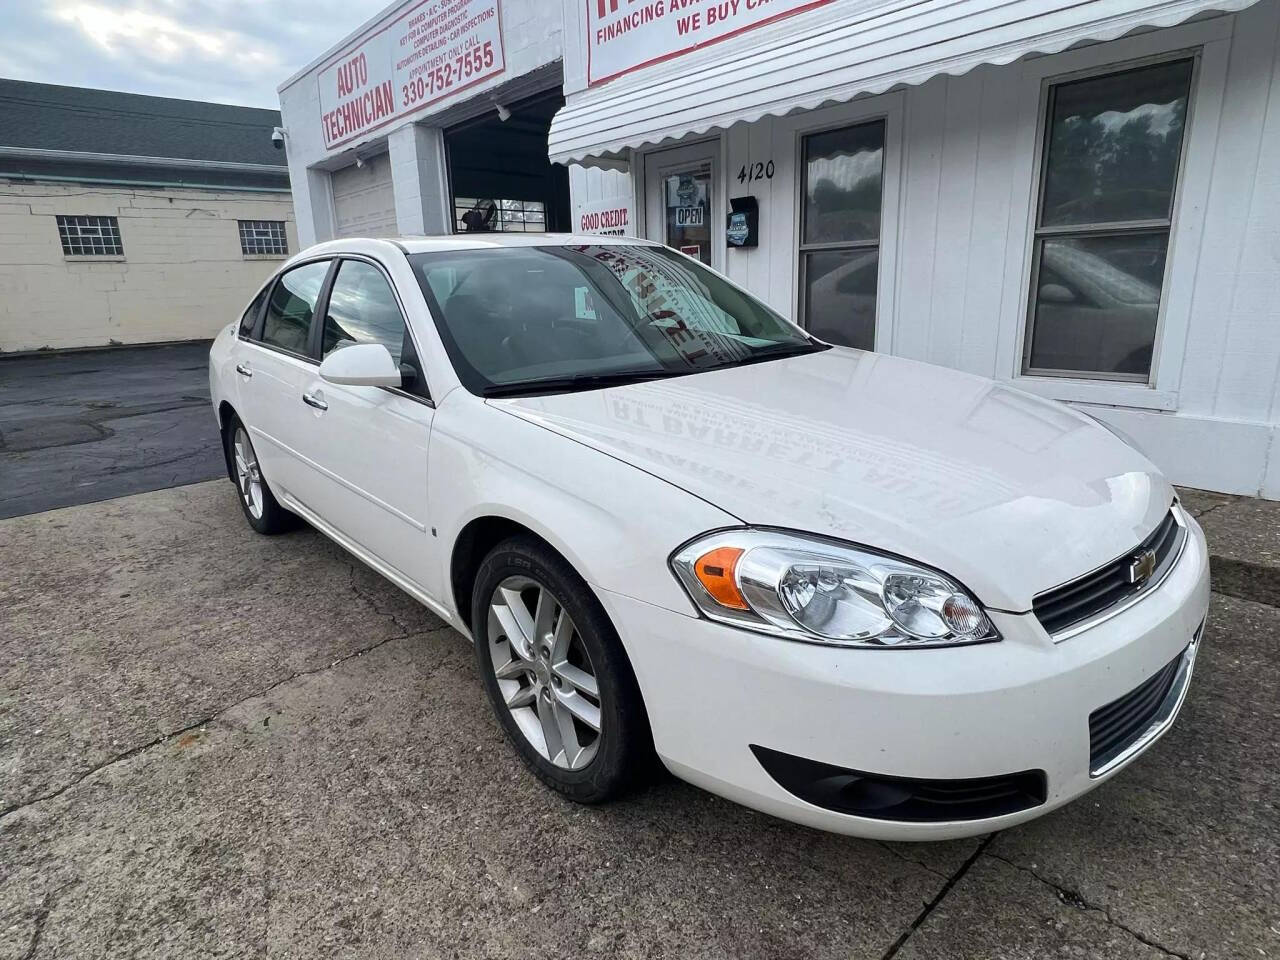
<point x="682" y="205"/>
<point x="498" y="170"/>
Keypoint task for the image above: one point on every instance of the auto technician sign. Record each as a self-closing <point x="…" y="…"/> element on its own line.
<point x="625" y="35"/>
<point x="431" y="51"/>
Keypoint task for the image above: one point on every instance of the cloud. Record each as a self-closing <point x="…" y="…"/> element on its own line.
<point x="232" y="51"/>
<point x="138" y="33"/>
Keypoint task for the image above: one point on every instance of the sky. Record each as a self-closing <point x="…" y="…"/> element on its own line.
<point x="229" y="51"/>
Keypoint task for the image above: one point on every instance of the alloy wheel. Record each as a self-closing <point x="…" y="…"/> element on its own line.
<point x="248" y="475"/>
<point x="544" y="673"/>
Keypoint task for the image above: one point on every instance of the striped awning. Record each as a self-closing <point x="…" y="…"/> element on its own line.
<point x="833" y="54"/>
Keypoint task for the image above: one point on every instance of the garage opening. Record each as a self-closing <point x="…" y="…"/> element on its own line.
<point x="364" y="203"/>
<point x="499" y="176"/>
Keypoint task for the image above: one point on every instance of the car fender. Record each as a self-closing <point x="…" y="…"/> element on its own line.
<point x="616" y="524"/>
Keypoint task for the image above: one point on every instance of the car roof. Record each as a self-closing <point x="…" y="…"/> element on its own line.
<point x="470" y="241"/>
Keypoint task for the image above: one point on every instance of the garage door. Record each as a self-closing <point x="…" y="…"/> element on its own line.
<point x="363" y="199"/>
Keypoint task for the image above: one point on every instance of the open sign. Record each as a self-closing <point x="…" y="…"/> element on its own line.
<point x="689" y="216"/>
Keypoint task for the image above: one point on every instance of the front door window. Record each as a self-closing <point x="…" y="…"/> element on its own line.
<point x="687" y="210"/>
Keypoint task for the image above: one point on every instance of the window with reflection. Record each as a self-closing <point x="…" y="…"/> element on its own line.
<point x="362" y="309"/>
<point x="840" y="233"/>
<point x="287" y="324"/>
<point x="1110" y="170"/>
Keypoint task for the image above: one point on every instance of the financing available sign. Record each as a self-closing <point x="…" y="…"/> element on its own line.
<point x="430" y="51"/>
<point x="625" y="35"/>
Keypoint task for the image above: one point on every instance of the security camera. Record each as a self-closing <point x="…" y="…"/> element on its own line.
<point x="503" y="113"/>
<point x="277" y="138"/>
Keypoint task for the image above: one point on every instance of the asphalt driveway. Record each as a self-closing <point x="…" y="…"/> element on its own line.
<point x="215" y="744"/>
<point x="87" y="426"/>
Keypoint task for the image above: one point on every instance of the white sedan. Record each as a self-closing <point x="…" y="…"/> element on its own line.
<point x="855" y="591"/>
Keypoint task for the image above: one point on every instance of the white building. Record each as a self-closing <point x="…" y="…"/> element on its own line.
<point x="132" y="219"/>
<point x="1082" y="199"/>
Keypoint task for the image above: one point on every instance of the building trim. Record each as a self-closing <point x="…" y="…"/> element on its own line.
<point x="40" y="153"/>
<point x="123" y="182"/>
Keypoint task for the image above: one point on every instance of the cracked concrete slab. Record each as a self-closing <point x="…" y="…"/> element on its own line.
<point x="996" y="910"/>
<point x="254" y="745"/>
<point x="1245" y="534"/>
<point x="124" y="620"/>
<point x="1184" y="845"/>
<point x="375" y="810"/>
<point x="84" y="426"/>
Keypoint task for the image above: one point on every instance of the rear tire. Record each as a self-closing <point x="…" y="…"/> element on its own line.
<point x="258" y="503"/>
<point x="557" y="676"/>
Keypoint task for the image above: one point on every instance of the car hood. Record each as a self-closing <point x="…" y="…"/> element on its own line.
<point x="1009" y="493"/>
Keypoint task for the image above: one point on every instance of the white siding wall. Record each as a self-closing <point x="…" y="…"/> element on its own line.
<point x="595" y="190"/>
<point x="959" y="198"/>
<point x="593" y="185"/>
<point x="182" y="277"/>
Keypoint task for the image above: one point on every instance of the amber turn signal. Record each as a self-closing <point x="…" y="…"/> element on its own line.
<point x="716" y="572"/>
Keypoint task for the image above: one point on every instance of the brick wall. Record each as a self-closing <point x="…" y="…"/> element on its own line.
<point x="182" y="277"/>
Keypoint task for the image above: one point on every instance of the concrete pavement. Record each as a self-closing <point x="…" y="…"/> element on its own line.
<point x="218" y="744"/>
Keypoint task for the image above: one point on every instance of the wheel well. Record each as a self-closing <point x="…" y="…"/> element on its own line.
<point x="225" y="413"/>
<point x="473" y="544"/>
<point x="225" y="410"/>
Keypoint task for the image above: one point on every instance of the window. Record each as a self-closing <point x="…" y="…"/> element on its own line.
<point x="686" y="206"/>
<point x="90" y="237"/>
<point x="250" y="318"/>
<point x="507" y="216"/>
<point x="362" y="309"/>
<point x="263" y="238"/>
<point x="1111" y="156"/>
<point x="287" y="324"/>
<point x="840" y="233"/>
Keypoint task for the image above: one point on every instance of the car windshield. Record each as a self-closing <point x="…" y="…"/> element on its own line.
<point x="526" y="320"/>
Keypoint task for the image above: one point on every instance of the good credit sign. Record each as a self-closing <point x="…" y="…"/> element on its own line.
<point x="431" y="51"/>
<point x="604" y="218"/>
<point x="625" y="35"/>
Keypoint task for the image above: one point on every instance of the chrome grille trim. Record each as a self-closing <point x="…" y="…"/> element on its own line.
<point x="1043" y="601"/>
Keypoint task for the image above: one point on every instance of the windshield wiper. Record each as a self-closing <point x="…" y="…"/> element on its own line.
<point x="584" y="381"/>
<point x="776" y="352"/>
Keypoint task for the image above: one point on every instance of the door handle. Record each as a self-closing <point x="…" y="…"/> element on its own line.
<point x="313" y="401"/>
<point x="243" y="370"/>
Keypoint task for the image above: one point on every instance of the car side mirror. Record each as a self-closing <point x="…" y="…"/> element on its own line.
<point x="361" y="365"/>
<point x="1056" y="293"/>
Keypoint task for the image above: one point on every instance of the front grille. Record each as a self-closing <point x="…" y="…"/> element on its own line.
<point x="1115" y="727"/>
<point x="1065" y="606"/>
<point x="903" y="799"/>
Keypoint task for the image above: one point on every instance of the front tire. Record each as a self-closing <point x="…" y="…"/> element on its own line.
<point x="259" y="504"/>
<point x="556" y="674"/>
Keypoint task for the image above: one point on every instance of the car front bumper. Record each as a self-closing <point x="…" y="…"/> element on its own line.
<point x="1022" y="704"/>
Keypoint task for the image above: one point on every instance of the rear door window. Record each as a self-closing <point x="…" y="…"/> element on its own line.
<point x="287" y="324"/>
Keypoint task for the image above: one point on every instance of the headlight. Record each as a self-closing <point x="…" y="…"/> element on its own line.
<point x="805" y="588"/>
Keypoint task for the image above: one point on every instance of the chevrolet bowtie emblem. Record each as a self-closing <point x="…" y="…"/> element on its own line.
<point x="1142" y="567"/>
